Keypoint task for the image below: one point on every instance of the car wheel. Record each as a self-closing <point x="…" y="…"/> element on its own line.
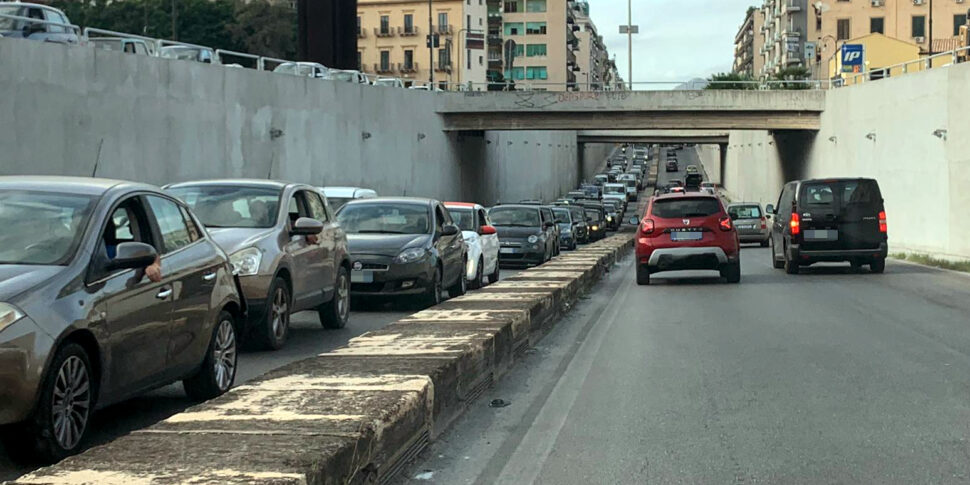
<point x="643" y="275"/>
<point x="461" y="286"/>
<point x="479" y="280"/>
<point x="432" y="296"/>
<point x="732" y="273"/>
<point x="218" y="370"/>
<point x="791" y="267"/>
<point x="335" y="313"/>
<point x="276" y="324"/>
<point x="60" y="420"/>
<point x="496" y="275"/>
<point x="877" y="266"/>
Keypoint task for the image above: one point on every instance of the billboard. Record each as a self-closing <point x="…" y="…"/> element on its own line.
<point x="853" y="58"/>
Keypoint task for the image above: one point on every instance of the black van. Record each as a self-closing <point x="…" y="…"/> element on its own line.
<point x="829" y="220"/>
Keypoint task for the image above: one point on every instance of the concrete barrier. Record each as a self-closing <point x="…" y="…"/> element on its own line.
<point x="357" y="414"/>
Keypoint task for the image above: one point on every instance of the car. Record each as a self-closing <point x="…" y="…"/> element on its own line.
<point x="601" y="179"/>
<point x="36" y="22"/>
<point x="580" y="224"/>
<point x="404" y="247"/>
<point x="304" y="69"/>
<point x="672" y="166"/>
<point x="632" y="191"/>
<point x="481" y="240"/>
<point x="686" y="232"/>
<point x="692" y="182"/>
<point x="285" y="246"/>
<point x="187" y="53"/>
<point x="615" y="191"/>
<point x="108" y="289"/>
<point x="119" y="44"/>
<point x="576" y="195"/>
<point x="751" y="223"/>
<point x="567" y="228"/>
<point x="338" y="196"/>
<point x="709" y="187"/>
<point x="692" y="169"/>
<point x="348" y="76"/>
<point x="829" y="220"/>
<point x="596" y="219"/>
<point x="389" y="82"/>
<point x="526" y="235"/>
<point x="593" y="191"/>
<point x="614" y="214"/>
<point x="549" y="216"/>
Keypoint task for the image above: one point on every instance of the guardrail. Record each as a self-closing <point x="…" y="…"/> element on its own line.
<point x="75" y="28"/>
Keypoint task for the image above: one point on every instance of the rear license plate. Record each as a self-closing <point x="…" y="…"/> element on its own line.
<point x="686" y="236"/>
<point x="746" y="226"/>
<point x="507" y="250"/>
<point x="362" y="277"/>
<point x="821" y="235"/>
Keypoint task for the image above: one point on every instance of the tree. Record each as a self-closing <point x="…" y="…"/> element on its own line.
<point x="265" y="29"/>
<point x="792" y="78"/>
<point x="731" y="80"/>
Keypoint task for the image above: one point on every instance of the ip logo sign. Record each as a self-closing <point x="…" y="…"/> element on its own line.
<point x="853" y="57"/>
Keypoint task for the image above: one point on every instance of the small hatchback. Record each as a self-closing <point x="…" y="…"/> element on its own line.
<point x="750" y="220"/>
<point x="687" y="232"/>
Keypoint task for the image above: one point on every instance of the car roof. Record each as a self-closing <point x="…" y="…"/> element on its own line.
<point x="341" y="191"/>
<point x="836" y="179"/>
<point x="270" y="184"/>
<point x="687" y="195"/>
<point x="396" y="200"/>
<point x="733" y="204"/>
<point x="517" y="206"/>
<point x="462" y="205"/>
<point x="33" y="5"/>
<point x="72" y="185"/>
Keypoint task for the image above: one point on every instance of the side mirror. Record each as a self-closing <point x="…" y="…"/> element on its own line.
<point x="305" y="226"/>
<point x="548" y="224"/>
<point x="770" y="209"/>
<point x="449" y="230"/>
<point x="132" y="255"/>
<point x="487" y="230"/>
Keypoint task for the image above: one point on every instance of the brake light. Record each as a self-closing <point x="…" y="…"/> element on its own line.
<point x="883" y="227"/>
<point x="646" y="226"/>
<point x="795" y="224"/>
<point x="764" y="224"/>
<point x="725" y="224"/>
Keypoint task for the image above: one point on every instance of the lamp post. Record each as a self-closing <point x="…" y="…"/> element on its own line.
<point x="629" y="29"/>
<point x="430" y="45"/>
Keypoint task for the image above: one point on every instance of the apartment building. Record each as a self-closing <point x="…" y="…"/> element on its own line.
<point x="807" y="33"/>
<point x="748" y="59"/>
<point x="592" y="60"/>
<point x="392" y="41"/>
<point x="544" y="32"/>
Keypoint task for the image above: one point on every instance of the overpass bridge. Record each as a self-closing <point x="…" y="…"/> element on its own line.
<point x="653" y="136"/>
<point x="633" y="110"/>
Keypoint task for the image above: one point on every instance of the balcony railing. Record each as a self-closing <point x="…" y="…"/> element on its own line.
<point x="407" y="31"/>
<point x="439" y="67"/>
<point x="380" y="32"/>
<point x="382" y="69"/>
<point x="405" y="67"/>
<point x="443" y="29"/>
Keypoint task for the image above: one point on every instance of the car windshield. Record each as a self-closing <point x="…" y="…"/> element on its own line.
<point x="744" y="212"/>
<point x="41" y="227"/>
<point x="343" y="76"/>
<point x="614" y="189"/>
<point x="107" y="44"/>
<point x="464" y="218"/>
<point x="631" y="183"/>
<point x="232" y="205"/>
<point x="10" y="24"/>
<point x="514" y="217"/>
<point x="562" y="215"/>
<point x="288" y="68"/>
<point x="593" y="215"/>
<point x="685" y="207"/>
<point x="385" y="218"/>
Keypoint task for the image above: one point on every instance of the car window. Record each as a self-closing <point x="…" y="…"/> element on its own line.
<point x="171" y="224"/>
<point x="562" y="215"/>
<point x="818" y="193"/>
<point x="515" y="217"/>
<point x="317" y="209"/>
<point x="41" y="227"/>
<point x="593" y="215"/>
<point x="384" y="218"/>
<point x="685" y="207"/>
<point x="483" y="218"/>
<point x="465" y="218"/>
<point x="860" y="192"/>
<point x="53" y="16"/>
<point x="128" y="223"/>
<point x="744" y="212"/>
<point x="194" y="232"/>
<point x="231" y="205"/>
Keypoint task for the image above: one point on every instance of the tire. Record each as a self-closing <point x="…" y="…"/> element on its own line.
<point x="643" y="275"/>
<point x="43" y="437"/>
<point x="218" y="371"/>
<point x="461" y="286"/>
<point x="275" y="327"/>
<point x="479" y="280"/>
<point x="732" y="273"/>
<point x="877" y="266"/>
<point x="496" y="275"/>
<point x="432" y="296"/>
<point x="335" y="313"/>
<point x="791" y="267"/>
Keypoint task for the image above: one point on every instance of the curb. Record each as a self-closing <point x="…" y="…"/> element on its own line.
<point x="360" y="413"/>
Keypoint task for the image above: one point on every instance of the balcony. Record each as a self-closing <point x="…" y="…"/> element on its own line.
<point x="407" y="31"/>
<point x="792" y="7"/>
<point x="361" y="34"/>
<point x="439" y="67"/>
<point x="494" y="62"/>
<point x="384" y="69"/>
<point x="380" y="32"/>
<point x="404" y="67"/>
<point x="443" y="29"/>
<point x="495" y="39"/>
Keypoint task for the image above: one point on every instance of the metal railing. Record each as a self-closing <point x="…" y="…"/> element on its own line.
<point x="31" y="20"/>
<point x="955" y="56"/>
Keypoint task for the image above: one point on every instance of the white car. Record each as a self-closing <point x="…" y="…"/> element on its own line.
<point x="338" y="196"/>
<point x="305" y="69"/>
<point x="425" y="87"/>
<point x="481" y="240"/>
<point x="389" y="82"/>
<point x="348" y="76"/>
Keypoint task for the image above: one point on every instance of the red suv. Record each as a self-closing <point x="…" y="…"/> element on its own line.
<point x="685" y="232"/>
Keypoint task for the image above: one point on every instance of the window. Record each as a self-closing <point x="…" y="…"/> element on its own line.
<point x="53" y="16"/>
<point x="409" y="23"/>
<point x="231" y="206"/>
<point x="535" y="6"/>
<point x="517" y="73"/>
<point x="535" y="28"/>
<point x="385" y="60"/>
<point x="443" y="22"/>
<point x="519" y="50"/>
<point x="843" y="29"/>
<point x="358" y="25"/>
<point x="959" y="20"/>
<point x="877" y="25"/>
<point x="513" y="6"/>
<point x="359" y="60"/>
<point x="919" y="26"/>
<point x="514" y="28"/>
<point x="444" y="57"/>
<point x="171" y="224"/>
<point x="194" y="233"/>
<point x="409" y="59"/>
<point x="535" y="50"/>
<point x="385" y="24"/>
<point x="683" y="208"/>
<point x="317" y="209"/>
<point x="536" y="72"/>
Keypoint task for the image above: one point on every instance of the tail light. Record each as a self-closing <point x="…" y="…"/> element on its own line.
<point x="725" y="224"/>
<point x="795" y="224"/>
<point x="646" y="226"/>
<point x="883" y="227"/>
<point x="764" y="223"/>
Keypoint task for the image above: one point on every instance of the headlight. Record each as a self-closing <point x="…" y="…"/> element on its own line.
<point x="246" y="262"/>
<point x="9" y="314"/>
<point x="533" y="239"/>
<point x="410" y="255"/>
<point x="609" y="218"/>
<point x="595" y="228"/>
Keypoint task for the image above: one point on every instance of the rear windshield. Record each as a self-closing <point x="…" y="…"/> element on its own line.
<point x="744" y="212"/>
<point x="592" y="215"/>
<point x="686" y="207"/>
<point x="849" y="192"/>
<point x="562" y="215"/>
<point x="514" y="217"/>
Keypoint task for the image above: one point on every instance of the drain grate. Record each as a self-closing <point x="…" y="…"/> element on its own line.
<point x="396" y="465"/>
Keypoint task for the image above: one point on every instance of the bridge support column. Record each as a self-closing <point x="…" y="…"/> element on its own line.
<point x="722" y="149"/>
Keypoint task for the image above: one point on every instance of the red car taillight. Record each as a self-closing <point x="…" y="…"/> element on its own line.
<point x="795" y="224"/>
<point x="883" y="227"/>
<point x="726" y="224"/>
<point x="764" y="223"/>
<point x="646" y="226"/>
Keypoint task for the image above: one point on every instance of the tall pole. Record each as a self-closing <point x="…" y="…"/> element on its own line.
<point x="930" y="48"/>
<point x="175" y="35"/>
<point x="629" y="40"/>
<point x="431" y="44"/>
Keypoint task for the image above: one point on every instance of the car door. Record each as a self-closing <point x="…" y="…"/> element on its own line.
<point x="136" y="312"/>
<point x="552" y="234"/>
<point x="783" y="218"/>
<point x="59" y="33"/>
<point x="327" y="242"/>
<point x="450" y="247"/>
<point x="489" y="243"/>
<point x="306" y="257"/>
<point x="192" y="265"/>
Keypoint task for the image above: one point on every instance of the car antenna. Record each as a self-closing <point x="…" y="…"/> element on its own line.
<point x="97" y="161"/>
<point x="269" y="174"/>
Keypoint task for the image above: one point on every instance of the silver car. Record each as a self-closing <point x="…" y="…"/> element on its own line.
<point x="749" y="219"/>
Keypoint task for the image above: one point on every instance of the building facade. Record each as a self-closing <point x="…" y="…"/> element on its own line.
<point x="748" y="59"/>
<point x="392" y="41"/>
<point x="592" y="60"/>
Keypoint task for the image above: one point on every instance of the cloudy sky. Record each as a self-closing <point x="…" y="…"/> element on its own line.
<point x="679" y="39"/>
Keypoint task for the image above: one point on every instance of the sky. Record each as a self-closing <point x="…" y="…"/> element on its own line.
<point x="679" y="39"/>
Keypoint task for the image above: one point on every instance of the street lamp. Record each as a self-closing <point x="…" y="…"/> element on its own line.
<point x="430" y="44"/>
<point x="629" y="29"/>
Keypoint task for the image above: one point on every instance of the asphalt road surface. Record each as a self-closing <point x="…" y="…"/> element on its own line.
<point x="830" y="376"/>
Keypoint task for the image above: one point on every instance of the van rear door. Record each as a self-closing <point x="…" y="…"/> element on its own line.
<point x="840" y="214"/>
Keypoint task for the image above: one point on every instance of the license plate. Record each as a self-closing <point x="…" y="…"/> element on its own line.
<point x="686" y="236"/>
<point x="746" y="227"/>
<point x="362" y="277"/>
<point x="821" y="235"/>
<point x="507" y="250"/>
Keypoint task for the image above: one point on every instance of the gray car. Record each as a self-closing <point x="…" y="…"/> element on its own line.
<point x="749" y="219"/>
<point x="36" y="22"/>
<point x="108" y="289"/>
<point x="285" y="245"/>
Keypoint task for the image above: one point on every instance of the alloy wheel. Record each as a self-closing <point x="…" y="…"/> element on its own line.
<point x="71" y="402"/>
<point x="343" y="297"/>
<point x="224" y="355"/>
<point x="281" y="313"/>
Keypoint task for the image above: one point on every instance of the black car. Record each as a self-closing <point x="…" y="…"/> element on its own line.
<point x="404" y="247"/>
<point x="596" y="219"/>
<point x="672" y="166"/>
<point x="829" y="220"/>
<point x="580" y="225"/>
<point x="526" y="235"/>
